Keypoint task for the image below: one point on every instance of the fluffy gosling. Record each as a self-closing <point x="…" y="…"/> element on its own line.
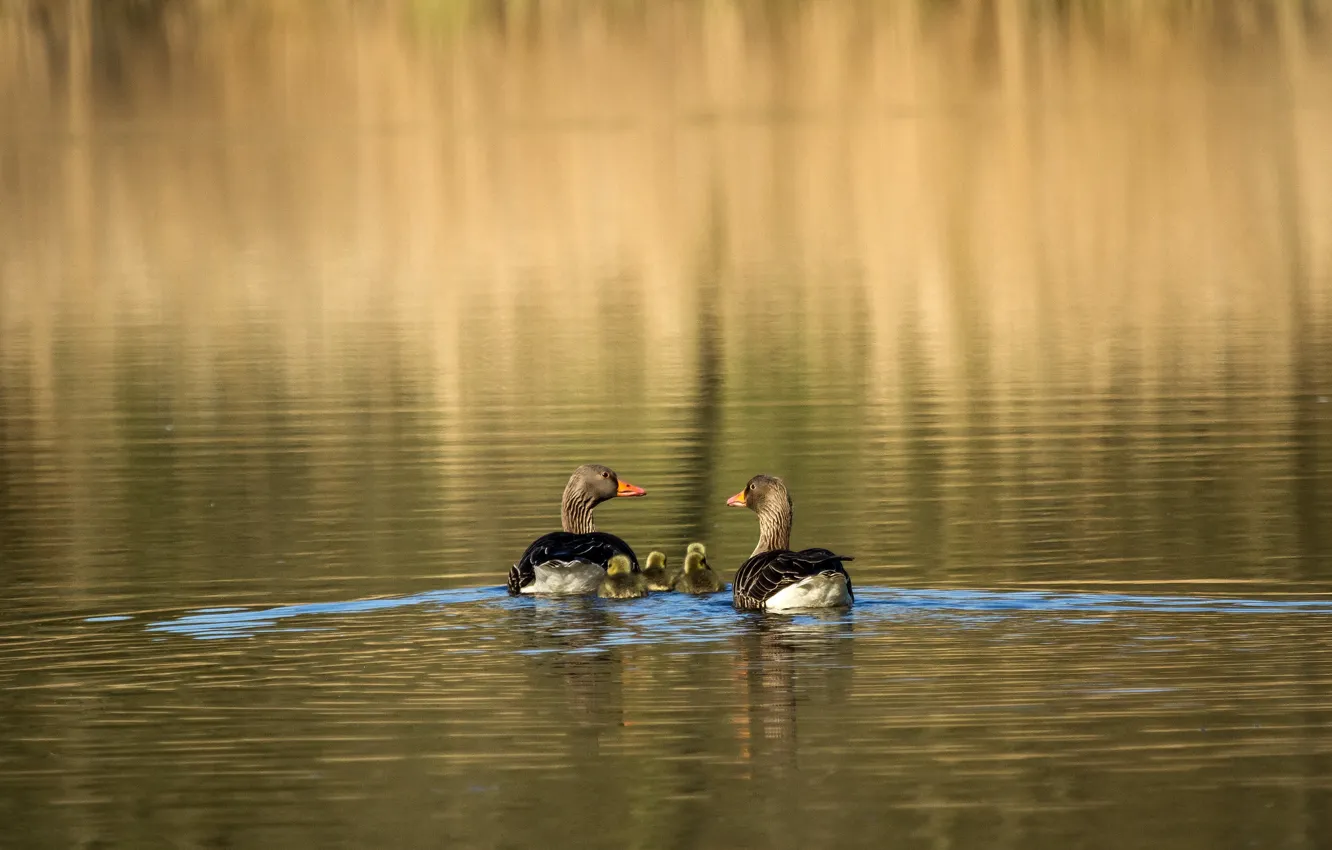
<point x="658" y="577"/>
<point x="621" y="582"/>
<point x="697" y="577"/>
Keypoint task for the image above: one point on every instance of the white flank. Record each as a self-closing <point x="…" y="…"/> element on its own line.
<point x="825" y="590"/>
<point x="566" y="577"/>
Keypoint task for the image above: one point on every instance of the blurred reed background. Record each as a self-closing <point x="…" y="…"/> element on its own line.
<point x="1011" y="291"/>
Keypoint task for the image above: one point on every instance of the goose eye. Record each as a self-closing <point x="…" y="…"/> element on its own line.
<point x="605" y="475"/>
<point x="751" y="487"/>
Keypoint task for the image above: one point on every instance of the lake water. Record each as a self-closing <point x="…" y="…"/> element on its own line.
<point x="307" y="311"/>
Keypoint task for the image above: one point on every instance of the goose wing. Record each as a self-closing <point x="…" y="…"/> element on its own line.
<point x="595" y="548"/>
<point x="769" y="572"/>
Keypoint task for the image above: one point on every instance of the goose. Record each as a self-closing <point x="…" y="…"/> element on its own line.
<point x="574" y="560"/>
<point x="776" y="578"/>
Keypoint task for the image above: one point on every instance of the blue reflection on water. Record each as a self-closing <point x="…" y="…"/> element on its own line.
<point x="689" y="618"/>
<point x="241" y="622"/>
<point x="1035" y="600"/>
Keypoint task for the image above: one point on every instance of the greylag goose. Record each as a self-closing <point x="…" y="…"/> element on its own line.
<point x="574" y="560"/>
<point x="622" y="581"/>
<point x="697" y="577"/>
<point x="655" y="572"/>
<point x="774" y="577"/>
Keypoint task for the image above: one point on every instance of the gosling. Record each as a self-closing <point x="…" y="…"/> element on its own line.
<point x="697" y="577"/>
<point x="658" y="577"/>
<point x="621" y="582"/>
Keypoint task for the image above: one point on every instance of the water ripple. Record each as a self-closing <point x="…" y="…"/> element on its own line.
<point x="687" y="618"/>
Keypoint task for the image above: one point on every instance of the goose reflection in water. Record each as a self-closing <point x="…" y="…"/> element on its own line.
<point x="570" y="639"/>
<point x="783" y="663"/>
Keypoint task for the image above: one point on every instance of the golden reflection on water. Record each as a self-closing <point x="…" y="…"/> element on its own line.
<point x="322" y="302"/>
<point x="990" y="265"/>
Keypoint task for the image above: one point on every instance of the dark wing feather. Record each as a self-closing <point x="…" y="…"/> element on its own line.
<point x="769" y="572"/>
<point x="823" y="558"/>
<point x="595" y="548"/>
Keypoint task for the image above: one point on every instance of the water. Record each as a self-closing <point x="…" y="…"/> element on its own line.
<point x="306" y="313"/>
<point x="463" y="715"/>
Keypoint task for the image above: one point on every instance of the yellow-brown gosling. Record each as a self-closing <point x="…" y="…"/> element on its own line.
<point x="658" y="577"/>
<point x="697" y="577"/>
<point x="621" y="582"/>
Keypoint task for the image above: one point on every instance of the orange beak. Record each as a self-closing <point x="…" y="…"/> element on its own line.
<point x="627" y="490"/>
<point x="738" y="500"/>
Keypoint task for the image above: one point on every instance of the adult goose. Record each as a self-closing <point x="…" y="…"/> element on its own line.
<point x="774" y="577"/>
<point x="574" y="560"/>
